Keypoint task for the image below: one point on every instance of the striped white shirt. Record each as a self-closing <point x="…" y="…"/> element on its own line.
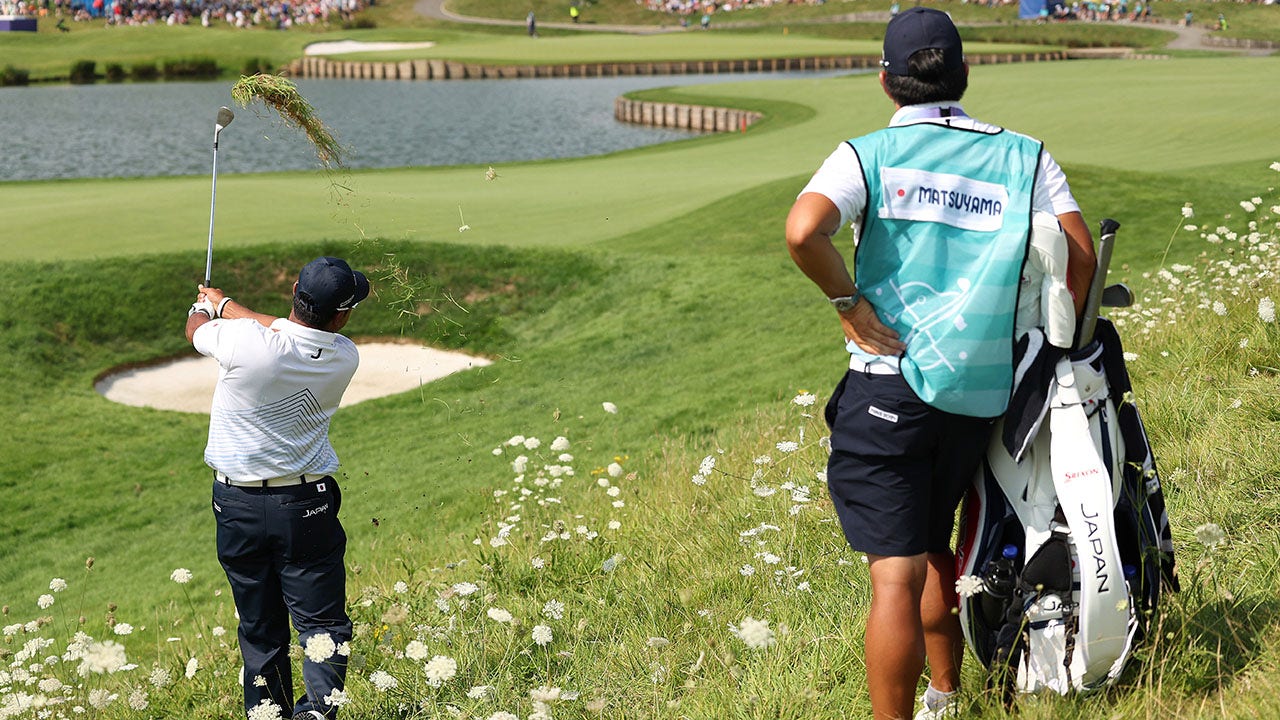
<point x="277" y="390"/>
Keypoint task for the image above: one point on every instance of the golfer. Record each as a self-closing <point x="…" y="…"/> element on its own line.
<point x="941" y="206"/>
<point x="274" y="495"/>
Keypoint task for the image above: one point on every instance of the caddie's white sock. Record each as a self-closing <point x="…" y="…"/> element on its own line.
<point x="935" y="698"/>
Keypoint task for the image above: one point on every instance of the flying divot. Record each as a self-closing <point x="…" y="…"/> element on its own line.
<point x="281" y="95"/>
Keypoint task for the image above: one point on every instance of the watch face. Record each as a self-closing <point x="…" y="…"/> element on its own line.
<point x="844" y="304"/>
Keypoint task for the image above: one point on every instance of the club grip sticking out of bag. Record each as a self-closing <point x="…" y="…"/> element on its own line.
<point x="1093" y="302"/>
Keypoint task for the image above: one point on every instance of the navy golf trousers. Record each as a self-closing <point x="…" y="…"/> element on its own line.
<point x="282" y="549"/>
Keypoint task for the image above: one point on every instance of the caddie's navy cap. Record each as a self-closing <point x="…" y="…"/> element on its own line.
<point x="920" y="28"/>
<point x="328" y="284"/>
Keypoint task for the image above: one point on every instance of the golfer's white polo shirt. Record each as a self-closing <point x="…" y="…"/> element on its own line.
<point x="840" y="181"/>
<point x="277" y="390"/>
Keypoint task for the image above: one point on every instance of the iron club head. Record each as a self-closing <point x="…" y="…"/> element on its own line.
<point x="224" y="117"/>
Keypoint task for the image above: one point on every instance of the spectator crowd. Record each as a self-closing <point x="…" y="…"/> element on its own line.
<point x="280" y="14"/>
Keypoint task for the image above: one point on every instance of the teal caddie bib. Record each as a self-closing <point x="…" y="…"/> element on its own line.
<point x="944" y="238"/>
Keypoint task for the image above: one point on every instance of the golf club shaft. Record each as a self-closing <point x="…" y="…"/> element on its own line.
<point x="213" y="204"/>
<point x="1093" y="302"/>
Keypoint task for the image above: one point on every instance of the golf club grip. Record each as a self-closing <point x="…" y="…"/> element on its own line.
<point x="1093" y="302"/>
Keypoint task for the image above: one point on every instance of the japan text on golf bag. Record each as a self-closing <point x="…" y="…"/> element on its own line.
<point x="1065" y="544"/>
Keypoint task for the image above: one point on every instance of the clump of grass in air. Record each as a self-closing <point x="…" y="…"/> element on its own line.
<point x="281" y="95"/>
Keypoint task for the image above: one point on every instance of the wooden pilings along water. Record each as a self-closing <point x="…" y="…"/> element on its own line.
<point x="323" y="67"/>
<point x="685" y="117"/>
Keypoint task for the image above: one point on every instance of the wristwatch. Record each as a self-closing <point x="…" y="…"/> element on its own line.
<point x="846" y="303"/>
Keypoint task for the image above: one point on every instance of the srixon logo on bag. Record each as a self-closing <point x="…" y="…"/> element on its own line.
<point x="1096" y="548"/>
<point x="1072" y="475"/>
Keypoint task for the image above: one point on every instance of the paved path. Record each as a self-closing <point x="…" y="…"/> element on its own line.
<point x="1188" y="38"/>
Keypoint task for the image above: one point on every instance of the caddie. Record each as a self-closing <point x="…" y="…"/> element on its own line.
<point x="941" y="207"/>
<point x="275" y="497"/>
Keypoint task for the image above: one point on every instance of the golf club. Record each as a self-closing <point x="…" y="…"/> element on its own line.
<point x="1093" y="302"/>
<point x="225" y="116"/>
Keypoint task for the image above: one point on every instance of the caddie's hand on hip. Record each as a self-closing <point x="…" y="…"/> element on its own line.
<point x="863" y="326"/>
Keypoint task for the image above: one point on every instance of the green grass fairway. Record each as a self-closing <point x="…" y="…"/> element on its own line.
<point x="657" y="280"/>
<point x="1223" y="124"/>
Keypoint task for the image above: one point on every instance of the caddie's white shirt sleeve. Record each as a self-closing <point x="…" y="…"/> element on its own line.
<point x="840" y="181"/>
<point x="1051" y="193"/>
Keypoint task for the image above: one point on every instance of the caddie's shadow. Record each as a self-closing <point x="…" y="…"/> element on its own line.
<point x="1203" y="643"/>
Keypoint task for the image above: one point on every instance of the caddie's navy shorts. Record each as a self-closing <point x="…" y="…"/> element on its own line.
<point x="898" y="466"/>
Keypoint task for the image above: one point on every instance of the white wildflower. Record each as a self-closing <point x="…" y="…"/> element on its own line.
<point x="532" y="443"/>
<point x="265" y="710"/>
<point x="1248" y="206"/>
<point x="415" y="650"/>
<point x="788" y="446"/>
<point x="102" y="657"/>
<point x="182" y="576"/>
<point x="1210" y="535"/>
<point x="99" y="698"/>
<point x="1219" y="307"/>
<point x="45" y="601"/>
<point x="560" y="444"/>
<point x="537" y="563"/>
<point x="465" y="588"/>
<point x="1267" y="310"/>
<point x="804" y="399"/>
<point x="499" y="615"/>
<point x="337" y="698"/>
<point x="614" y="525"/>
<point x="969" y="585"/>
<point x="609" y="408"/>
<point x="755" y="634"/>
<point x="746" y="571"/>
<point x="554" y="609"/>
<point x="382" y="680"/>
<point x="320" y="647"/>
<point x="57" y="584"/>
<point x="479" y="692"/>
<point x="192" y="666"/>
<point x="160" y="677"/>
<point x="122" y="629"/>
<point x="1188" y="211"/>
<point x="440" y="670"/>
<point x="138" y="699"/>
<point x="541" y="634"/>
<point x="400" y="587"/>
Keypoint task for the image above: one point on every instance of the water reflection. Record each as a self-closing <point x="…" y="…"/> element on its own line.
<point x="167" y="128"/>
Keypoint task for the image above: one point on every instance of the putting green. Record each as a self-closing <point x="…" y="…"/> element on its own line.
<point x="1172" y="116"/>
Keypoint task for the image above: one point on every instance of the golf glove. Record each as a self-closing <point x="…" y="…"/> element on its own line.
<point x="204" y="306"/>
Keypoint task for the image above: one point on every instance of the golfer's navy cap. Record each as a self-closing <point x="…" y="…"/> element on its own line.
<point x="328" y="284"/>
<point x="921" y="28"/>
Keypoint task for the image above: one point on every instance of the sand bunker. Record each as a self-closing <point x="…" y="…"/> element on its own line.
<point x="341" y="47"/>
<point x="186" y="385"/>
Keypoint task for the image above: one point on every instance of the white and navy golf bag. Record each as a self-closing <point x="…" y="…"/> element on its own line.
<point x="1064" y="534"/>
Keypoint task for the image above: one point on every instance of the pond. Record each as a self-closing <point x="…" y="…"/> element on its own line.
<point x="141" y="129"/>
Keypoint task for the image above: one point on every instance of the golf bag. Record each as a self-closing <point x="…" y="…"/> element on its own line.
<point x="1064" y="541"/>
